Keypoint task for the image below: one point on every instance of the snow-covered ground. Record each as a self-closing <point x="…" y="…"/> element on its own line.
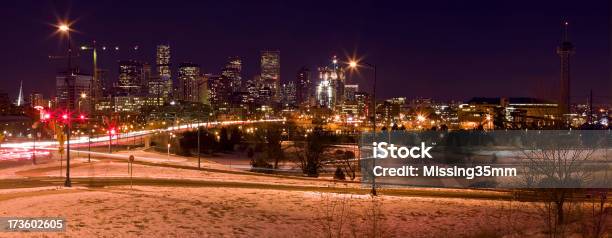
<point x="255" y="205"/>
<point x="236" y="212"/>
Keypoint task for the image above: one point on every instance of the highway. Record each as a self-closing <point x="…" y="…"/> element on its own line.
<point x="84" y="140"/>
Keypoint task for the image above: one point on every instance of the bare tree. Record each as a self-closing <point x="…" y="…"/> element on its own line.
<point x="557" y="164"/>
<point x="309" y="153"/>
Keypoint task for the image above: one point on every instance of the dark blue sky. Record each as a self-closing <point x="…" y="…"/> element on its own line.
<point x="440" y="49"/>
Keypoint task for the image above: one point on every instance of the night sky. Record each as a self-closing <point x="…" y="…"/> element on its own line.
<point x="438" y="49"/>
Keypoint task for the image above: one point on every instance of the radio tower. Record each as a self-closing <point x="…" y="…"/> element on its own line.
<point x="565" y="50"/>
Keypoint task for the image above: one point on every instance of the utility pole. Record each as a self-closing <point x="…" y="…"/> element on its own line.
<point x="199" y="144"/>
<point x="590" y="119"/>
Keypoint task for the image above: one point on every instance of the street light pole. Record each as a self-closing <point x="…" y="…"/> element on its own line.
<point x="199" y="144"/>
<point x="66" y="29"/>
<point x="374" y="128"/>
<point x="89" y="142"/>
<point x="34" y="152"/>
<point x="354" y="64"/>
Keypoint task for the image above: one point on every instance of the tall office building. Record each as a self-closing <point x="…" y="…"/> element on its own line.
<point x="98" y="84"/>
<point x="37" y="100"/>
<point x="130" y="76"/>
<point x="219" y="92"/>
<point x="158" y="91"/>
<point x="103" y="87"/>
<point x="349" y="92"/>
<point x="189" y="80"/>
<point x="69" y="87"/>
<point x="330" y="89"/>
<point x="565" y="50"/>
<point x="232" y="73"/>
<point x="163" y="63"/>
<point x="303" y="88"/>
<point x="288" y="94"/>
<point x="270" y="72"/>
<point x="363" y="104"/>
<point x="146" y="76"/>
<point x="203" y="92"/>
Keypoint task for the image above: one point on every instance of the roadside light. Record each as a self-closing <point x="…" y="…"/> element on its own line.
<point x="112" y="131"/>
<point x="65" y="116"/>
<point x="46" y="116"/>
<point x="63" y="27"/>
<point x="82" y="117"/>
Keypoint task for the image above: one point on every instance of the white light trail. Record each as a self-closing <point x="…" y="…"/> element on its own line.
<point x="104" y="138"/>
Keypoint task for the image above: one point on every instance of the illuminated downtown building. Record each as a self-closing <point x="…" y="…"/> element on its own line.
<point x="37" y="100"/>
<point x="219" y="92"/>
<point x="130" y="76"/>
<point x="270" y="72"/>
<point x="162" y="64"/>
<point x="162" y="61"/>
<point x="232" y="73"/>
<point x="251" y="87"/>
<point x="349" y="93"/>
<point x="304" y="88"/>
<point x="330" y="88"/>
<point x="189" y="82"/>
<point x="159" y="91"/>
<point x="350" y="106"/>
<point x="69" y="87"/>
<point x="288" y="95"/>
<point x="129" y="104"/>
<point x="501" y="113"/>
<point x="362" y="100"/>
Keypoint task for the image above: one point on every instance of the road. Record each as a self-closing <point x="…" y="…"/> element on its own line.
<point x="125" y="138"/>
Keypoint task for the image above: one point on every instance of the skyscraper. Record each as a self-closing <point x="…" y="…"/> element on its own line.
<point x="303" y="87"/>
<point x="146" y="76"/>
<point x="288" y="94"/>
<point x="189" y="80"/>
<point x="158" y="91"/>
<point x="330" y="89"/>
<point x="565" y="50"/>
<point x="130" y="76"/>
<point x="163" y="64"/>
<point x="163" y="61"/>
<point x="232" y="73"/>
<point x="349" y="92"/>
<point x="37" y="100"/>
<point x="219" y="92"/>
<point x="270" y="72"/>
<point x="69" y="87"/>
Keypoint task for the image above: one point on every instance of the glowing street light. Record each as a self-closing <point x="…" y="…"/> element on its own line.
<point x="168" y="150"/>
<point x="353" y="64"/>
<point x="63" y="27"/>
<point x="421" y="118"/>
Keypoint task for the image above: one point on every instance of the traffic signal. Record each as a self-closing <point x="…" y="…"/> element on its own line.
<point x="45" y="117"/>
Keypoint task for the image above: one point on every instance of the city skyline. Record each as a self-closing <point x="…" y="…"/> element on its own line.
<point x="486" y="60"/>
